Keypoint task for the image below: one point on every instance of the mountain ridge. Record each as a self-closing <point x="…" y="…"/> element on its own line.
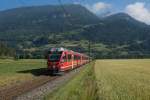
<point x="38" y="27"/>
<point x="47" y="18"/>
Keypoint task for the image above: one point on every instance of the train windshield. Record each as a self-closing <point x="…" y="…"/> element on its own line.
<point x="55" y="56"/>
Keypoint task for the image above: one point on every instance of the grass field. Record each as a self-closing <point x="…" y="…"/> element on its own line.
<point x="14" y="72"/>
<point x="108" y="80"/>
<point x="81" y="87"/>
<point x="123" y="79"/>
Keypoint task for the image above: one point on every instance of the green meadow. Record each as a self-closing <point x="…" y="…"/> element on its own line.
<point x="17" y="71"/>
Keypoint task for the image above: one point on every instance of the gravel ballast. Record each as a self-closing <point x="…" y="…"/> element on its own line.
<point x="39" y="92"/>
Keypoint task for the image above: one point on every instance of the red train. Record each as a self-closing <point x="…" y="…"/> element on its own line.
<point x="60" y="59"/>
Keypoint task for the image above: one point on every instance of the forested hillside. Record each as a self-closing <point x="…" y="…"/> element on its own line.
<point x="31" y="31"/>
<point x="6" y="51"/>
<point x="44" y="19"/>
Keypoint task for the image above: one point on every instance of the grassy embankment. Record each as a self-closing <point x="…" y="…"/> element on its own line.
<point x="115" y="79"/>
<point x="14" y="72"/>
<point x="81" y="87"/>
<point x="123" y="79"/>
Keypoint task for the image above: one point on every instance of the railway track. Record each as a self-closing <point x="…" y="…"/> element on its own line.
<point x="16" y="90"/>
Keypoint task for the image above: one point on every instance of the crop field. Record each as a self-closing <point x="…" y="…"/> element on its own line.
<point x="123" y="79"/>
<point x="17" y="71"/>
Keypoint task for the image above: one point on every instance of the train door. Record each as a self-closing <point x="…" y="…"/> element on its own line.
<point x="64" y="62"/>
<point x="72" y="60"/>
<point x="81" y="60"/>
<point x="75" y="60"/>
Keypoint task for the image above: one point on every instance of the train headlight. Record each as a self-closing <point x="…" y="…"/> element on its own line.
<point x="54" y="66"/>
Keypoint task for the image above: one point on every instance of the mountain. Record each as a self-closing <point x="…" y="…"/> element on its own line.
<point x="117" y="29"/>
<point x="33" y="30"/>
<point x="30" y="21"/>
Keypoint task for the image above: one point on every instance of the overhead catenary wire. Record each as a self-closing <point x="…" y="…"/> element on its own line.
<point x="79" y="1"/>
<point x="65" y="12"/>
<point x="21" y="2"/>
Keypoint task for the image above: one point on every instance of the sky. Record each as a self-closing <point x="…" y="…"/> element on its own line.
<point x="138" y="9"/>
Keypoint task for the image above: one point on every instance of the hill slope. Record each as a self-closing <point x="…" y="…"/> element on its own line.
<point x="35" y="29"/>
<point x="44" y="19"/>
<point x="119" y="28"/>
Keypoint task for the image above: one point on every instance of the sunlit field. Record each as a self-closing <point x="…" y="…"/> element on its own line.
<point x="15" y="72"/>
<point x="123" y="79"/>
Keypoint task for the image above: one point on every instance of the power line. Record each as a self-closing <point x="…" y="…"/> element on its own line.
<point x="65" y="11"/>
<point x="21" y="1"/>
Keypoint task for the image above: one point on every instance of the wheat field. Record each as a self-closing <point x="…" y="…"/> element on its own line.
<point x="123" y="79"/>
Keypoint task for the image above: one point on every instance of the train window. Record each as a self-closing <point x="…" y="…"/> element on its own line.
<point x="55" y="56"/>
<point x="83" y="58"/>
<point x="75" y="57"/>
<point x="65" y="58"/>
<point x="69" y="57"/>
<point x="78" y="57"/>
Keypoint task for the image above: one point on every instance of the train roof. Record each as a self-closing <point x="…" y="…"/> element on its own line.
<point x="64" y="49"/>
<point x="60" y="49"/>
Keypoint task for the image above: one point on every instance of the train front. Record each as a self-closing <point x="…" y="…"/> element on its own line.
<point x="53" y="60"/>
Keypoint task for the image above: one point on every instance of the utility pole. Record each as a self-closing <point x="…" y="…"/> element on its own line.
<point x="89" y="47"/>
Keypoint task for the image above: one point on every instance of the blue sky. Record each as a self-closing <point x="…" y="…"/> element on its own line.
<point x="118" y="5"/>
<point x="139" y="9"/>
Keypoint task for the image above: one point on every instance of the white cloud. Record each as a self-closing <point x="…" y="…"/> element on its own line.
<point x="98" y="7"/>
<point x="139" y="12"/>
